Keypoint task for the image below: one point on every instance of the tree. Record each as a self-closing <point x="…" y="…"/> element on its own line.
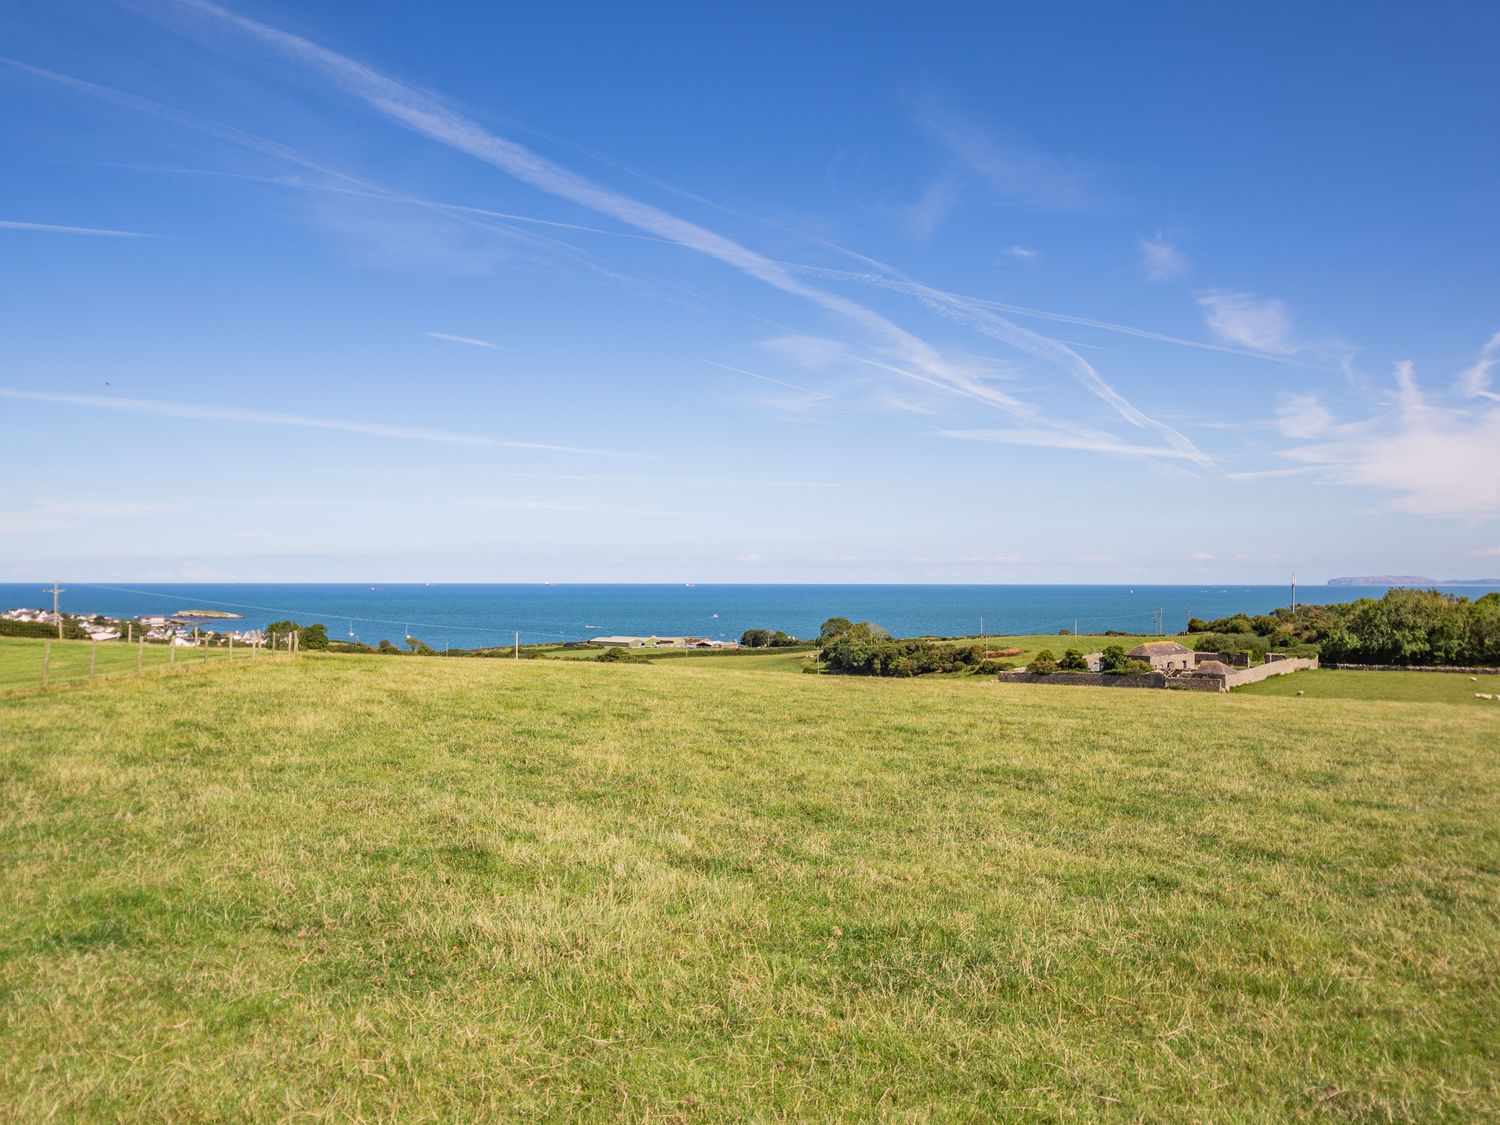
<point x="313" y="636"/>
<point x="755" y="638"/>
<point x="277" y="632"/>
<point x="782" y="640"/>
<point x="1043" y="663"/>
<point x="1073" y="661"/>
<point x="833" y="627"/>
<point x="1112" y="659"/>
<point x="385" y="648"/>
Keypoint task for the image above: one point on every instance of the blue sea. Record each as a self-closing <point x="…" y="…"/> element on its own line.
<point x="473" y="616"/>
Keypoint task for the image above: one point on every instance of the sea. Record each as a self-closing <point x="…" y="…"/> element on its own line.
<point x="490" y="615"/>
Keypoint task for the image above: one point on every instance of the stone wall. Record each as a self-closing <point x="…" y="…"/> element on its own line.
<point x="1174" y="681"/>
<point x="1282" y="667"/>
<point x="1087" y="679"/>
<point x="1233" y="659"/>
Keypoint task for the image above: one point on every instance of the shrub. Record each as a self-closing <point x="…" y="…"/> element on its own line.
<point x="1043" y="663"/>
<point x="1135" y="667"/>
<point x="620" y="656"/>
<point x="1073" y="661"/>
<point x="1112" y="659"/>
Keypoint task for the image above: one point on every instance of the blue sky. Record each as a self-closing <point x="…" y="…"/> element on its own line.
<point x="403" y="291"/>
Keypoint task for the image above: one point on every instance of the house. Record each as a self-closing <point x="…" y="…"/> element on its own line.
<point x="155" y="621"/>
<point x="1164" y="655"/>
<point x="623" y="642"/>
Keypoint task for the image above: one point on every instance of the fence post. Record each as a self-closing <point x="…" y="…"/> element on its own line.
<point x="231" y="646"/>
<point x="172" y="649"/>
<point x="93" y="653"/>
<point x="46" y="660"/>
<point x="140" y="650"/>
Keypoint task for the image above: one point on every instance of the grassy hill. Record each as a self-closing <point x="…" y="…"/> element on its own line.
<point x="368" y="887"/>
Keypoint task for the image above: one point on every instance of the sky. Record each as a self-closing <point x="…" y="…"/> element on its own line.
<point x="401" y="291"/>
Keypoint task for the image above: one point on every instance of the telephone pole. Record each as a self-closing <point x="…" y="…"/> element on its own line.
<point x="1294" y="593"/>
<point x="518" y="644"/>
<point x="56" y="616"/>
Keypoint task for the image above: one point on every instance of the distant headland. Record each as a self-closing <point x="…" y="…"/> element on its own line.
<point x="1410" y="580"/>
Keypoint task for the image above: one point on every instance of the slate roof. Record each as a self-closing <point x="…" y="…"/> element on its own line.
<point x="1159" y="648"/>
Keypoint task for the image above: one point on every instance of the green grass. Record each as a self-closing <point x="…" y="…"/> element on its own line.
<point x="1402" y="687"/>
<point x="21" y="660"/>
<point x="368" y="888"/>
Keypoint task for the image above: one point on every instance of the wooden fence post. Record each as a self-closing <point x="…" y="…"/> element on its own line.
<point x="231" y="646"/>
<point x="172" y="649"/>
<point x="46" y="660"/>
<point x="140" y="651"/>
<point x="93" y="653"/>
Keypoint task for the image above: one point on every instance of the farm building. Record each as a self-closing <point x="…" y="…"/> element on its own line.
<point x="1164" y="655"/>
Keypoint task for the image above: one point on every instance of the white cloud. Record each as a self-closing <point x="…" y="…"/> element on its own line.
<point x="1474" y="381"/>
<point x="1014" y="170"/>
<point x="1301" y="416"/>
<point x="52" y="228"/>
<point x="550" y="506"/>
<point x="1160" y="260"/>
<point x="1245" y="320"/>
<point x="1023" y="252"/>
<point x="1091" y="443"/>
<point x="747" y="558"/>
<point x="1486" y="553"/>
<point x="472" y="341"/>
<point x="927" y="213"/>
<point x="267" y="418"/>
<point x="1201" y="556"/>
<point x="1431" y="460"/>
<point x="53" y="515"/>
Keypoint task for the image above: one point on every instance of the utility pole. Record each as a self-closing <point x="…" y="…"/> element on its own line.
<point x="1294" y="593"/>
<point x="56" y="616"/>
<point x="518" y="644"/>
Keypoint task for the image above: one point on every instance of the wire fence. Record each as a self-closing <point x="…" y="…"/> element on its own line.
<point x="27" y="664"/>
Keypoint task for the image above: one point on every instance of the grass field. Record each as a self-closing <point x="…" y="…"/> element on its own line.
<point x="21" y="660"/>
<point x="1401" y="687"/>
<point x="367" y="888"/>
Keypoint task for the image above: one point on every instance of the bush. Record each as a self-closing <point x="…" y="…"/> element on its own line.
<point x="620" y="656"/>
<point x="1073" y="661"/>
<point x="1112" y="659"/>
<point x="1043" y="663"/>
<point x="1135" y="667"/>
<point x="755" y="638"/>
<point x="1233" y="642"/>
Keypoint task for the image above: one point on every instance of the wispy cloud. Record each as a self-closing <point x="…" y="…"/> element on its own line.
<point x="1431" y="460"/>
<point x="1244" y="320"/>
<point x="591" y="509"/>
<point x="1474" y="381"/>
<point x="1486" y="553"/>
<point x="70" y="515"/>
<point x="927" y="213"/>
<point x="1097" y="443"/>
<point x="747" y="558"/>
<point x="1301" y="416"/>
<point x="201" y="413"/>
<point x="1015" y="171"/>
<point x="1160" y="260"/>
<point x="53" y="228"/>
<point x="915" y="359"/>
<point x="472" y="341"/>
<point x="1024" y="252"/>
<point x="694" y="481"/>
